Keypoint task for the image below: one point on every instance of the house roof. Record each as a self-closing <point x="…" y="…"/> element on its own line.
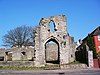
<point x="93" y="33"/>
<point x="96" y="31"/>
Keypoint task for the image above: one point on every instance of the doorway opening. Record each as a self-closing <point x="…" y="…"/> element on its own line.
<point x="52" y="51"/>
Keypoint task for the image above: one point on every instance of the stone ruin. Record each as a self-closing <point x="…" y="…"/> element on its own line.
<point x="53" y="44"/>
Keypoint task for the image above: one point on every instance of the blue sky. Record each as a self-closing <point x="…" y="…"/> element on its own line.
<point x="83" y="16"/>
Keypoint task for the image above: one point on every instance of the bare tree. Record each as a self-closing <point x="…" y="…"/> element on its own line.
<point x="20" y="36"/>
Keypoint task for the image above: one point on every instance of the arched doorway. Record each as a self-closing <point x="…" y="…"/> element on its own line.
<point x="52" y="51"/>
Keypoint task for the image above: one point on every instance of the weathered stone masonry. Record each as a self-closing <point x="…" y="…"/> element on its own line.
<point x="64" y="51"/>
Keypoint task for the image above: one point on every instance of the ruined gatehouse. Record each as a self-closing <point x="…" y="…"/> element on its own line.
<point x="53" y="43"/>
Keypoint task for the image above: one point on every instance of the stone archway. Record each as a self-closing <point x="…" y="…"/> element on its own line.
<point x="64" y="46"/>
<point x="52" y="51"/>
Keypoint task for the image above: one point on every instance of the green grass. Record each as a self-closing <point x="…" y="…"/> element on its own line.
<point x="75" y="62"/>
<point x="49" y="67"/>
<point x="46" y="67"/>
<point x="20" y="68"/>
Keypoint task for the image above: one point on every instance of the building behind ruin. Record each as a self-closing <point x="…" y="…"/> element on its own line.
<point x="53" y="44"/>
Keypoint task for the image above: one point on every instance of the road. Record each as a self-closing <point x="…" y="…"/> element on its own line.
<point x="52" y="72"/>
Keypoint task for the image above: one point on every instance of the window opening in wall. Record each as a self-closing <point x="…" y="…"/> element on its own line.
<point x="24" y="53"/>
<point x="71" y="55"/>
<point x="52" y="27"/>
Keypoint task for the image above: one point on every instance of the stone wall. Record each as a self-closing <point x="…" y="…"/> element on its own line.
<point x="2" y="54"/>
<point x="16" y="54"/>
<point x="52" y="52"/>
